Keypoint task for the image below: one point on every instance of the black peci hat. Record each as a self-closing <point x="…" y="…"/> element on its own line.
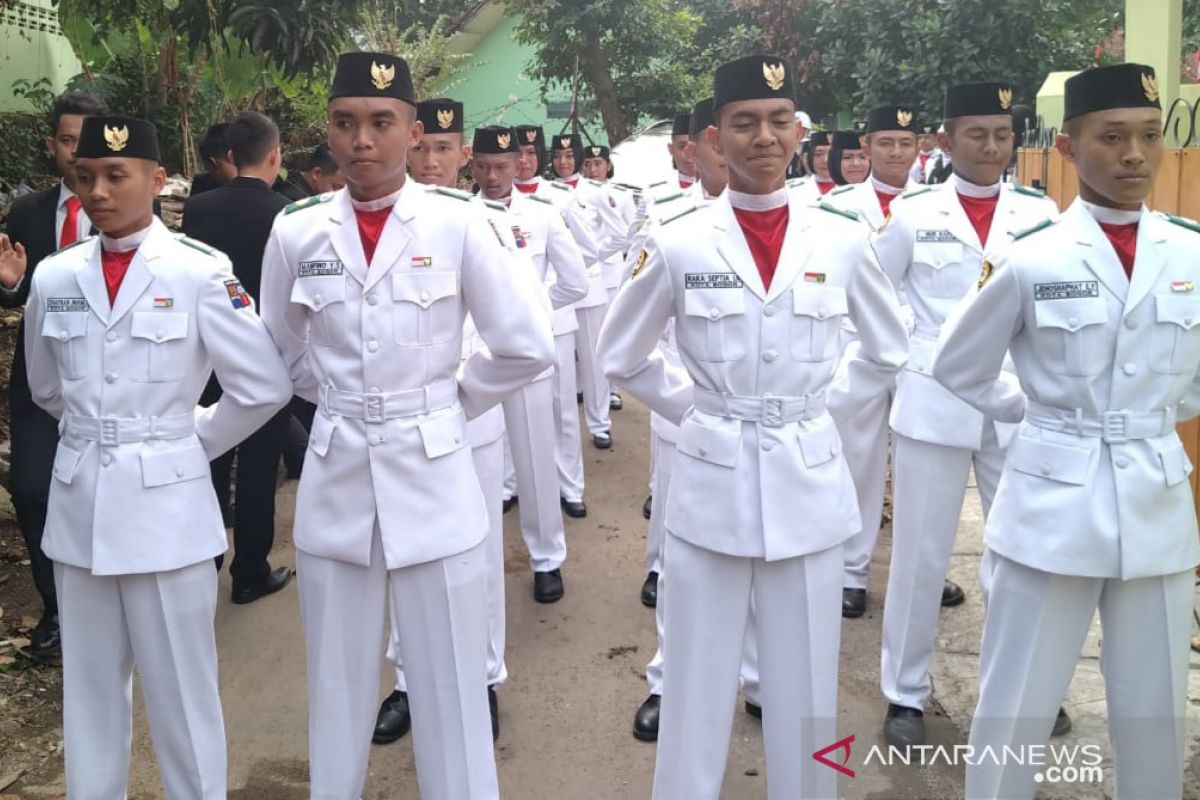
<point x="680" y="126"/>
<point x="372" y="75"/>
<point x="978" y="100"/>
<point x="441" y="115"/>
<point x="846" y="140"/>
<point x="758" y="77"/>
<point x="495" y="139"/>
<point x="567" y="141"/>
<point x="701" y="117"/>
<point x="892" y="118"/>
<point x="115" y="136"/>
<point x="597" y="151"/>
<point x="819" y="139"/>
<point x="1104" y="88"/>
<point x="930" y="127"/>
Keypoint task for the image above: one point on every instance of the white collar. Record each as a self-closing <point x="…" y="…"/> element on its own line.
<point x="126" y="243"/>
<point x="535" y="180"/>
<point x="64" y="193"/>
<point x="886" y="188"/>
<point x="758" y="202"/>
<point x="1111" y="216"/>
<point x="377" y="204"/>
<point x="965" y="187"/>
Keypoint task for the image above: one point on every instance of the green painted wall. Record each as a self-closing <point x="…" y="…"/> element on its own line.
<point x="32" y="46"/>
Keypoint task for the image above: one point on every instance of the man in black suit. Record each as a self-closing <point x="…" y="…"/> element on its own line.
<point x="236" y="219"/>
<point x="219" y="168"/>
<point x="316" y="173"/>
<point x="39" y="224"/>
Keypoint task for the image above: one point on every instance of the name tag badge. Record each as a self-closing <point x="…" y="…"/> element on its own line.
<point x="313" y="269"/>
<point x="1065" y="290"/>
<point x="936" y="237"/>
<point x="711" y="280"/>
<point x="66" y="304"/>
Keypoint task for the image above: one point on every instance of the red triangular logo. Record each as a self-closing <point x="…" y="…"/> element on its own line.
<point x="844" y="744"/>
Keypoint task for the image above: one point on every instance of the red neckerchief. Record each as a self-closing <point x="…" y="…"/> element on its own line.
<point x="115" y="266"/>
<point x="685" y="182"/>
<point x="526" y="188"/>
<point x="764" y="231"/>
<point x="885" y="201"/>
<point x="923" y="157"/>
<point x="370" y="228"/>
<point x="980" y="211"/>
<point x="1124" y="241"/>
<point x="572" y="182"/>
<point x="824" y="187"/>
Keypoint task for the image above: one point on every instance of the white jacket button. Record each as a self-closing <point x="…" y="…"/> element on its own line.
<point x="1122" y="462"/>
<point x="1130" y="369"/>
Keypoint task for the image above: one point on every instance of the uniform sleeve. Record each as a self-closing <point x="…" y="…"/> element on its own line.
<point x="512" y="319"/>
<point x="566" y="259"/>
<point x="974" y="342"/>
<point x="253" y="378"/>
<point x="628" y="347"/>
<point x="612" y="224"/>
<point x="869" y="370"/>
<point x="893" y="246"/>
<point x="637" y="243"/>
<point x="286" y="321"/>
<point x="579" y="223"/>
<point x="1189" y="406"/>
<point x="45" y="384"/>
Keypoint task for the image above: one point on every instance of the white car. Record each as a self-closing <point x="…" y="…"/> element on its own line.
<point x="643" y="159"/>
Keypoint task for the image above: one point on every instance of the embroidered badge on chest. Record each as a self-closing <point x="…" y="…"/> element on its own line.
<point x="519" y="236"/>
<point x="1065" y="290"/>
<point x="1182" y="286"/>
<point x="66" y="304"/>
<point x="313" y="269"/>
<point x="711" y="280"/>
<point x="814" y="277"/>
<point x="935" y="237"/>
<point x="164" y="302"/>
<point x="421" y="261"/>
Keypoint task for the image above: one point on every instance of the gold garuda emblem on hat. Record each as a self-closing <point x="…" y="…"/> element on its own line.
<point x="445" y="117"/>
<point x="564" y="142"/>
<point x="903" y="117"/>
<point x="503" y="139"/>
<point x="1150" y="87"/>
<point x="774" y="75"/>
<point x="596" y="152"/>
<point x="116" y="138"/>
<point x="531" y="136"/>
<point x="1005" y="98"/>
<point x="382" y="77"/>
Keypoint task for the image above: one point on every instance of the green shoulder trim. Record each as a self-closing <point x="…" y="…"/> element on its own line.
<point x="495" y="205"/>
<point x="538" y="198"/>
<point x="683" y="213"/>
<point x="597" y="184"/>
<point x="1183" y="222"/>
<point x="843" y="189"/>
<point x="192" y="243"/>
<point x="794" y="182"/>
<point x="916" y="192"/>
<point x="455" y="193"/>
<point x="308" y="202"/>
<point x="1029" y="190"/>
<point x="1046" y="223"/>
<point x="658" y="201"/>
<point x="74" y="244"/>
<point x="847" y="214"/>
<point x="560" y="185"/>
<point x="656" y="183"/>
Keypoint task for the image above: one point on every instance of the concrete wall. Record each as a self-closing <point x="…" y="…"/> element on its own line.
<point x="32" y="46"/>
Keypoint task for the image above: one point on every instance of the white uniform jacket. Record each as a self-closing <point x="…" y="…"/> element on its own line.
<point x="378" y="350"/>
<point x="544" y="237"/>
<point x="1096" y="481"/>
<point x="862" y="200"/>
<point x="931" y="253"/>
<point x="580" y="207"/>
<point x="776" y="487"/>
<point x="131" y="491"/>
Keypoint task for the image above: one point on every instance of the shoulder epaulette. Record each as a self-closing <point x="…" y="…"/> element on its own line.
<point x="74" y="244"/>
<point x="842" y="189"/>
<point x="794" y="182"/>
<point x="656" y="184"/>
<point x="192" y="243"/>
<point x="455" y="193"/>
<point x="1183" y="222"/>
<point x="1046" y="223"/>
<point x="847" y="214"/>
<point x="540" y="199"/>
<point x="308" y="202"/>
<point x="597" y="184"/>
<point x="916" y="192"/>
<point x="683" y="213"/>
<point x="495" y="205"/>
<point x="1029" y="190"/>
<point x="628" y="186"/>
<point x="668" y="198"/>
<point x="560" y="185"/>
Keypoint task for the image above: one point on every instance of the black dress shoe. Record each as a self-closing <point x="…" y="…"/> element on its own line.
<point x="645" y="721"/>
<point x="548" y="586"/>
<point x="754" y="710"/>
<point x="46" y="638"/>
<point x="1062" y="723"/>
<point x="952" y="594"/>
<point x="603" y="441"/>
<point x="508" y="504"/>
<point x="854" y="603"/>
<point x="615" y="403"/>
<point x="576" y="509"/>
<point x="579" y="398"/>
<point x="393" y="720"/>
<point x="646" y="506"/>
<point x="279" y="578"/>
<point x="650" y="590"/>
<point x="904" y="726"/>
<point x="494" y="710"/>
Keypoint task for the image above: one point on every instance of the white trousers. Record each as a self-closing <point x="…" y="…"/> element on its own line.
<point x="529" y="420"/>
<point x="929" y="482"/>
<point x="489" y="467"/>
<point x="440" y="610"/>
<point x="1035" y="629"/>
<point x="798" y="604"/>
<point x="864" y="432"/>
<point x="568" y="453"/>
<point x="160" y="623"/>
<point x="592" y="380"/>
<point x="663" y="456"/>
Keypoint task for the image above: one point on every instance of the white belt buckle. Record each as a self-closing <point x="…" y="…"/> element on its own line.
<point x="772" y="412"/>
<point x="373" y="408"/>
<point x="110" y="431"/>
<point x="1115" y="427"/>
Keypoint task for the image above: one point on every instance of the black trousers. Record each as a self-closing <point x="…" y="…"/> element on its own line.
<point x="34" y="443"/>
<point x="254" y="500"/>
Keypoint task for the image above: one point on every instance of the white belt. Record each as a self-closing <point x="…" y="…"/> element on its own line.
<point x="1113" y="427"/>
<point x="112" y="431"/>
<point x="380" y="406"/>
<point x="771" y="412"/>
